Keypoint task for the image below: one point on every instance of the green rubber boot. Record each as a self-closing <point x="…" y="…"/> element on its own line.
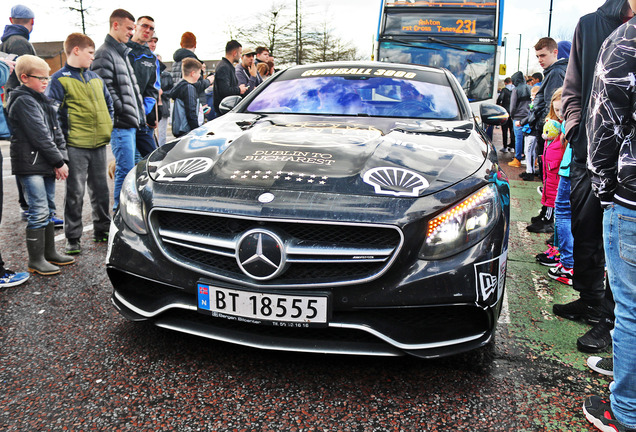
<point x="50" y="253"/>
<point x="35" y="247"/>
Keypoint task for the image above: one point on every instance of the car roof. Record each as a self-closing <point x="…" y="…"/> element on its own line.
<point x="368" y="64"/>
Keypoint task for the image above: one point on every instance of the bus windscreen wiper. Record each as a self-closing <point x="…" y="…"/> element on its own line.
<point x="407" y="43"/>
<point x="457" y="47"/>
<point x="433" y="39"/>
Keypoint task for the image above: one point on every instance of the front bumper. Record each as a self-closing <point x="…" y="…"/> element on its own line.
<point x="422" y="308"/>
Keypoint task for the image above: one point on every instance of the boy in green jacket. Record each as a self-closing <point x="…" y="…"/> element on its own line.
<point x="85" y="111"/>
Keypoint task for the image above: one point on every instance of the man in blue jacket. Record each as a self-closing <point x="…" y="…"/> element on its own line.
<point x="144" y="63"/>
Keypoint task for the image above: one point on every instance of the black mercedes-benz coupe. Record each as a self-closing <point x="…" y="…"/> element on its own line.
<point x="351" y="208"/>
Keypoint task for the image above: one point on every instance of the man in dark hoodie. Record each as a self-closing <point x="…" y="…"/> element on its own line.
<point x="188" y="45"/>
<point x="611" y="163"/>
<point x="547" y="52"/>
<point x="504" y="101"/>
<point x="15" y="39"/>
<point x="519" y="108"/>
<point x="595" y="303"/>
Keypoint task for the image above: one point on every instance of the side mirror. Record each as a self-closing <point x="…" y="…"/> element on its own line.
<point x="228" y="103"/>
<point x="492" y="114"/>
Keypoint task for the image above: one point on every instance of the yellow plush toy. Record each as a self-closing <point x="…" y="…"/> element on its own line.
<point x="551" y="130"/>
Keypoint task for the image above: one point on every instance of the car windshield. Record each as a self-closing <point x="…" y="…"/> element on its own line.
<point x="361" y="95"/>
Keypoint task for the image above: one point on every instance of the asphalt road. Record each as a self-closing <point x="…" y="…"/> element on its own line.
<point x="69" y="361"/>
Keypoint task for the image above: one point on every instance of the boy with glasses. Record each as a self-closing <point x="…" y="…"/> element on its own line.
<point x="38" y="158"/>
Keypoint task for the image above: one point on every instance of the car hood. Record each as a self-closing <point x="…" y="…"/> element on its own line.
<point x="363" y="156"/>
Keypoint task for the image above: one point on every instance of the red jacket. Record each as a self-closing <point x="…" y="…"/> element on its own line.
<point x="552" y="155"/>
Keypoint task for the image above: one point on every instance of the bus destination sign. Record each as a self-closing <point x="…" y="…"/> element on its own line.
<point x="480" y="25"/>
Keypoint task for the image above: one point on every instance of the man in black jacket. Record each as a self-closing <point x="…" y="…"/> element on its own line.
<point x="144" y="63"/>
<point x="112" y="64"/>
<point x="225" y="81"/>
<point x="612" y="166"/>
<point x="506" y="128"/>
<point x="596" y="303"/>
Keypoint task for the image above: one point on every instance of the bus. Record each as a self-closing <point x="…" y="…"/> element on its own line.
<point x="463" y="36"/>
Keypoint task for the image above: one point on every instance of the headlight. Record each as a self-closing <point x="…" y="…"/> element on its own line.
<point x="463" y="225"/>
<point x="130" y="204"/>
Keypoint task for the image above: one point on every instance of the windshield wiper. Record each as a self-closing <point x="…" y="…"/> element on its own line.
<point x="457" y="47"/>
<point x="437" y="41"/>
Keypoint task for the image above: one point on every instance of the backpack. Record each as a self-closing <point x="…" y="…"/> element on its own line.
<point x="179" y="120"/>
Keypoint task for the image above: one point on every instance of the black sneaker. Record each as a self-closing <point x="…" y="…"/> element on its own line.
<point x="540" y="216"/>
<point x="526" y="176"/>
<point x="541" y="226"/>
<point x="598" y="411"/>
<point x="578" y="309"/>
<point x="598" y="338"/>
<point x="73" y="247"/>
<point x="100" y="237"/>
<point x="550" y="240"/>
<point x="602" y="365"/>
<point x="549" y="258"/>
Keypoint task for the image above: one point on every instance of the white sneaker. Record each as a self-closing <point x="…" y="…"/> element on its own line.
<point x="604" y="366"/>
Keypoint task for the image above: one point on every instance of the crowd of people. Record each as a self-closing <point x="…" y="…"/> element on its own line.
<point x="573" y="124"/>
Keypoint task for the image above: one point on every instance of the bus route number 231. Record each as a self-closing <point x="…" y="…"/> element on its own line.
<point x="466" y="26"/>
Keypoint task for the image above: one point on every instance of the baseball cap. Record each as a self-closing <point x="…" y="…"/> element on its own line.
<point x="251" y="51"/>
<point x="21" y="12"/>
<point x="154" y="36"/>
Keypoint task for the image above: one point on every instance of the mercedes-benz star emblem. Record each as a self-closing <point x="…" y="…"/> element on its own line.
<point x="260" y="254"/>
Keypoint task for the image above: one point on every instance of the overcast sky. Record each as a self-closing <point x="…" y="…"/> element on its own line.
<point x="354" y="20"/>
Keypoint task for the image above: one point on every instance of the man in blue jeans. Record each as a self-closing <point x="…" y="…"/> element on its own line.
<point x="612" y="162"/>
<point x="113" y="66"/>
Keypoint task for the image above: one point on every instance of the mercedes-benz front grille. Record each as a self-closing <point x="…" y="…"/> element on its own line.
<point x="313" y="253"/>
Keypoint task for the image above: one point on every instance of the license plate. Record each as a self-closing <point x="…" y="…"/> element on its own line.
<point x="275" y="309"/>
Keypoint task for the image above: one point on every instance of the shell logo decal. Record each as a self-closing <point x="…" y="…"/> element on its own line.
<point x="395" y="181"/>
<point x="184" y="170"/>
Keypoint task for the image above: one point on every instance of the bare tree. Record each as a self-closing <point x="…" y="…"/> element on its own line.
<point x="270" y="30"/>
<point x="326" y="46"/>
<point x="276" y="30"/>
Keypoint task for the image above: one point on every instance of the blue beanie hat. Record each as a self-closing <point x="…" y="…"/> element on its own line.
<point x="21" y="12"/>
<point x="564" y="49"/>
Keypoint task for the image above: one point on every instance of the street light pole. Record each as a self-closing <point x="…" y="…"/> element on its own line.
<point x="505" y="50"/>
<point x="519" y="58"/>
<point x="297" y="38"/>
<point x="550" y="18"/>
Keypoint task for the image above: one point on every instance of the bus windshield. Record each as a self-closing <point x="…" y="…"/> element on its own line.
<point x="472" y="64"/>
